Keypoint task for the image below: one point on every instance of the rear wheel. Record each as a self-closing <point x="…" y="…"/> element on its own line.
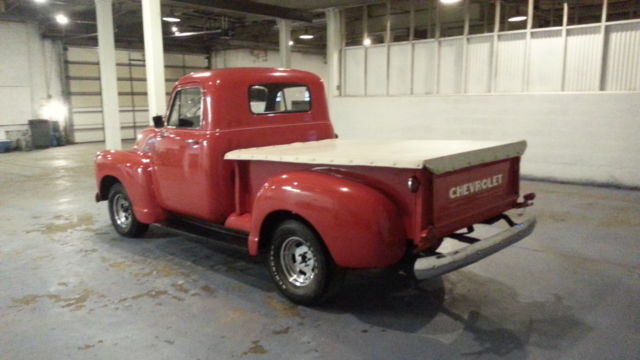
<point x="301" y="266"/>
<point x="121" y="212"/>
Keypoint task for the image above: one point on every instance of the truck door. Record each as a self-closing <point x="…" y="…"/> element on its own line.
<point x="180" y="154"/>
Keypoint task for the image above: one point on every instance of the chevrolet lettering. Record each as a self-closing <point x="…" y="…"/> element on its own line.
<point x="475" y="186"/>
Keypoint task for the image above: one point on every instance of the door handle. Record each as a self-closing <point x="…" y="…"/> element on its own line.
<point x="192" y="141"/>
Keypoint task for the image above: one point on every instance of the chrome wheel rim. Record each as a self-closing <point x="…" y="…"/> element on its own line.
<point x="298" y="261"/>
<point x="122" y="212"/>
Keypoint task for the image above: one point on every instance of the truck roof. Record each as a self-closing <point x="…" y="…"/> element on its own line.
<point x="252" y="74"/>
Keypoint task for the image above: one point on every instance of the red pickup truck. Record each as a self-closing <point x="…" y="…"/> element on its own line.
<point x="248" y="155"/>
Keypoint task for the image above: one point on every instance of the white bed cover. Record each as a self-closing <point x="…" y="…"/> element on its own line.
<point x="438" y="156"/>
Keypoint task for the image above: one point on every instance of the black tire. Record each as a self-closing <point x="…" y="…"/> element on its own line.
<point x="309" y="276"/>
<point x="123" y="219"/>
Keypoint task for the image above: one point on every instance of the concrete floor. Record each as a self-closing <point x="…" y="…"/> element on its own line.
<point x="71" y="288"/>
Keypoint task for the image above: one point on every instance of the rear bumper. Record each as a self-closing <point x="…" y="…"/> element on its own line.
<point x="432" y="266"/>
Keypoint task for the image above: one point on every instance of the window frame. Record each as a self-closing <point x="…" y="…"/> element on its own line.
<point x="285" y="86"/>
<point x="174" y="96"/>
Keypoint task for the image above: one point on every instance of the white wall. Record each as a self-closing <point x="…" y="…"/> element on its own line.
<point x="29" y="72"/>
<point x="268" y="58"/>
<point x="589" y="137"/>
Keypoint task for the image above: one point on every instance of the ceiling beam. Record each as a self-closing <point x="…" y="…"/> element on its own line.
<point x="250" y="7"/>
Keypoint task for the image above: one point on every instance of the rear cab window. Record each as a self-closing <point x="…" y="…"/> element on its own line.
<point x="279" y="98"/>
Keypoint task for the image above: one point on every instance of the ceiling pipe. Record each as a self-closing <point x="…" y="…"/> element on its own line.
<point x="250" y="7"/>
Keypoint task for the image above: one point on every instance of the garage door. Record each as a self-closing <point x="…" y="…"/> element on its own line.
<point x="83" y="76"/>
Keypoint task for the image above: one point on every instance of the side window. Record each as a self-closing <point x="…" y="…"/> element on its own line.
<point x="279" y="98"/>
<point x="186" y="108"/>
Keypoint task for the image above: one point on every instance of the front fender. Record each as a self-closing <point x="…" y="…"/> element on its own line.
<point x="359" y="225"/>
<point x="133" y="170"/>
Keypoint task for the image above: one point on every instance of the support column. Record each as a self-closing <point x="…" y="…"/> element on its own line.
<point x="284" y="31"/>
<point x="154" y="57"/>
<point x="334" y="44"/>
<point x="602" y="48"/>
<point x="108" y="75"/>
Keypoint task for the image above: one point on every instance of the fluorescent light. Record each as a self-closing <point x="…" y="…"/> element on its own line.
<point x="306" y="36"/>
<point x="62" y="19"/>
<point x="39" y="1"/>
<point x="174" y="29"/>
<point x="449" y="1"/>
<point x="291" y="42"/>
<point x="517" y="18"/>
<point x="366" y="42"/>
<point x="171" y="19"/>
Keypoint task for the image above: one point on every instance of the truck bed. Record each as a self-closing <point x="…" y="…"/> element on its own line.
<point x="437" y="156"/>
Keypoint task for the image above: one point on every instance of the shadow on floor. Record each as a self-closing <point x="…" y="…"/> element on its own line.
<point x="476" y="316"/>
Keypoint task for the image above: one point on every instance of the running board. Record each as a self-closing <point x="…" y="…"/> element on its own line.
<point x="211" y="231"/>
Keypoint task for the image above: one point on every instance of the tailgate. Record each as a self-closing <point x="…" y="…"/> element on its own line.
<point x="466" y="196"/>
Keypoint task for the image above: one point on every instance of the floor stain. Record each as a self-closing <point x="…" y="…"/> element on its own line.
<point x="208" y="289"/>
<point x="237" y="316"/>
<point x="43" y="257"/>
<point x="151" y="294"/>
<point x="179" y="286"/>
<point x="120" y="265"/>
<point x="87" y="251"/>
<point x="284" y="309"/>
<point x="281" y="331"/>
<point x="89" y="346"/>
<point x="26" y="300"/>
<point x="70" y="223"/>
<point x="163" y="270"/>
<point x="73" y="303"/>
<point x="170" y="342"/>
<point x="256" y="348"/>
<point x="628" y="217"/>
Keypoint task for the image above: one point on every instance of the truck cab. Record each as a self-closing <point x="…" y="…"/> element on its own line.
<point x="250" y="153"/>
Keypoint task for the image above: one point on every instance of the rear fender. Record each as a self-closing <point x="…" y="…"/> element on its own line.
<point x="133" y="170"/>
<point x="359" y="225"/>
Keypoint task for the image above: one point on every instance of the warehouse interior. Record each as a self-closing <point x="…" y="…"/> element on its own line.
<point x="79" y="76"/>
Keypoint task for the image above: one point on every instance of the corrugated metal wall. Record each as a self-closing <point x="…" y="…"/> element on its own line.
<point x="583" y="59"/>
<point x="424" y="64"/>
<point x="400" y="69"/>
<point x="546" y="62"/>
<point x="510" y="63"/>
<point x="479" y="64"/>
<point x="622" y="62"/>
<point x="450" y="65"/>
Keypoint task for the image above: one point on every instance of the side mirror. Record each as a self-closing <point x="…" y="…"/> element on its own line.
<point x="158" y="122"/>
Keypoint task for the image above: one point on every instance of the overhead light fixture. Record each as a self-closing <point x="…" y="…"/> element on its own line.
<point x="306" y="36"/>
<point x="517" y="18"/>
<point x="174" y="29"/>
<point x="39" y="1"/>
<point x="366" y="42"/>
<point x="291" y="42"/>
<point x="62" y="19"/>
<point x="171" y="19"/>
<point x="450" y="1"/>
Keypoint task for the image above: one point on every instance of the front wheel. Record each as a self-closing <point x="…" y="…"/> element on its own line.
<point x="121" y="212"/>
<point x="300" y="265"/>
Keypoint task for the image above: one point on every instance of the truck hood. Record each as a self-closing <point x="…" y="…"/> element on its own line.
<point x="438" y="156"/>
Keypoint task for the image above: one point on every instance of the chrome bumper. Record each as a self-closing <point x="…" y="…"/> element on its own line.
<point x="432" y="266"/>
